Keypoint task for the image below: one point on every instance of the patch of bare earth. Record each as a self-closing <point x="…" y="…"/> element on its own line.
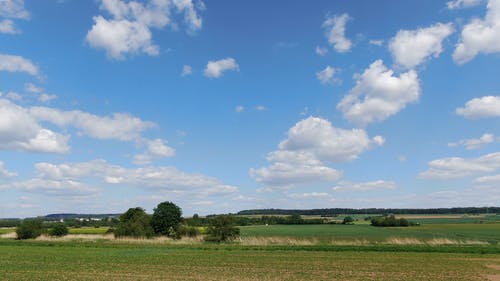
<point x="493" y="277"/>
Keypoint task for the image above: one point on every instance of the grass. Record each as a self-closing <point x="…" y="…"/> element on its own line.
<point x="106" y="261"/>
<point x="88" y="230"/>
<point x="478" y="232"/>
<point x="7" y="230"/>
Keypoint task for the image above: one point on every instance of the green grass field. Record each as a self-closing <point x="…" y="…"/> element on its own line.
<point x="483" y="232"/>
<point x="7" y="230"/>
<point x="34" y="260"/>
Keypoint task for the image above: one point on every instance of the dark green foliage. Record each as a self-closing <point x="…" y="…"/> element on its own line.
<point x="59" y="230"/>
<point x="222" y="229"/>
<point x="348" y="220"/>
<point x="189" y="231"/>
<point x="388" y="221"/>
<point x="29" y="229"/>
<point x="166" y="219"/>
<point x="135" y="223"/>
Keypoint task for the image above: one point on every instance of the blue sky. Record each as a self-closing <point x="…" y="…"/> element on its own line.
<point x="221" y="106"/>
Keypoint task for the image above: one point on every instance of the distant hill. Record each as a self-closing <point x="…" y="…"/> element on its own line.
<point x="337" y="211"/>
<point x="66" y="216"/>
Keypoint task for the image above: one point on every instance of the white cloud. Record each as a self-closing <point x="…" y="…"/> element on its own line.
<point x="46" y="97"/>
<point x="480" y="36"/>
<point x="13" y="9"/>
<point x="310" y="143"/>
<point x="120" y="126"/>
<point x="186" y="70"/>
<point x="32" y="88"/>
<point x="4" y="173"/>
<point x="156" y="149"/>
<point x="365" y="186"/>
<point x="66" y="188"/>
<point x="152" y="178"/>
<point x="377" y="42"/>
<point x="12" y="63"/>
<point x="335" y="32"/>
<point x="215" y="69"/>
<point x="321" y="51"/>
<point x="7" y="27"/>
<point x="260" y="108"/>
<point x="461" y="4"/>
<point x="311" y="196"/>
<point x="20" y="131"/>
<point x="14" y="96"/>
<point x="456" y="167"/>
<point x="239" y="108"/>
<point x="327" y="76"/>
<point x="488" y="106"/>
<point x="379" y="94"/>
<point x="129" y="29"/>
<point x="471" y="144"/>
<point x="411" y="48"/>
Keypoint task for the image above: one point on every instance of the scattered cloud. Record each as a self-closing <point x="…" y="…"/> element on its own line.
<point x="32" y="88"/>
<point x="335" y="32"/>
<point x="12" y="9"/>
<point x="13" y="96"/>
<point x="472" y="144"/>
<point x="7" y="27"/>
<point x="19" y="130"/>
<point x="379" y="94"/>
<point x="239" y="108"/>
<point x="301" y="157"/>
<point x="456" y="167"/>
<point x="215" y="69"/>
<point x="4" y="173"/>
<point x="186" y="70"/>
<point x="376" y="42"/>
<point x="44" y="97"/>
<point x="260" y="108"/>
<point x="128" y="31"/>
<point x="365" y="186"/>
<point x="321" y="51"/>
<point x="480" y="36"/>
<point x="327" y="76"/>
<point x="13" y="63"/>
<point x="462" y="4"/>
<point x="488" y="106"/>
<point x="156" y="149"/>
<point x="411" y="48"/>
<point x="311" y="196"/>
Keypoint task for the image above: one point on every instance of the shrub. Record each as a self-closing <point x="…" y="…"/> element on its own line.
<point x="59" y="230"/>
<point x="189" y="231"/>
<point x="390" y="221"/>
<point x="222" y="229"/>
<point x="135" y="223"/>
<point x="348" y="220"/>
<point x="29" y="229"/>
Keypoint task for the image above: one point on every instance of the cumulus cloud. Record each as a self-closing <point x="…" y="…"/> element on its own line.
<point x="488" y="106"/>
<point x="7" y="27"/>
<point x="335" y="32"/>
<point x="321" y="51"/>
<point x="161" y="178"/>
<point x="457" y="167"/>
<point x="128" y="31"/>
<point x="4" y="173"/>
<point x="379" y="94"/>
<point x="480" y="36"/>
<point x="471" y="144"/>
<point x="13" y="63"/>
<point x="186" y="70"/>
<point x="327" y="75"/>
<point x="461" y="4"/>
<point x="21" y="131"/>
<point x="215" y="69"/>
<point x="12" y="9"/>
<point x="301" y="157"/>
<point x="365" y="186"/>
<point x="119" y="126"/>
<point x="156" y="149"/>
<point x="411" y="48"/>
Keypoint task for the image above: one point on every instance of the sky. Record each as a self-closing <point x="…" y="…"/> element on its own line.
<point x="221" y="106"/>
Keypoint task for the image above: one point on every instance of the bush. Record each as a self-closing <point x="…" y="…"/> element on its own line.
<point x="222" y="229"/>
<point x="135" y="223"/>
<point x="348" y="220"/>
<point x="29" y="229"/>
<point x="189" y="231"/>
<point x="59" y="230"/>
<point x="390" y="221"/>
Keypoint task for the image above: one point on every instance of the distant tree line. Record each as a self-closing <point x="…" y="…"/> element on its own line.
<point x="390" y="221"/>
<point x="371" y="211"/>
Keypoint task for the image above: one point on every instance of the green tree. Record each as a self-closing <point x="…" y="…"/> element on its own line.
<point x="166" y="219"/>
<point x="222" y="229"/>
<point x="135" y="223"/>
<point x="348" y="220"/>
<point x="29" y="229"/>
<point x="59" y="230"/>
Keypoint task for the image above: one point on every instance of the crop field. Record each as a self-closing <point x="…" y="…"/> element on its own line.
<point x="34" y="260"/>
<point x="473" y="232"/>
<point x="7" y="230"/>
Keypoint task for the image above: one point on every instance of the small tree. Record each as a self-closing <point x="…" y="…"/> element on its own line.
<point x="348" y="220"/>
<point x="222" y="229"/>
<point x="134" y="222"/>
<point x="166" y="219"/>
<point x="29" y="229"/>
<point x="59" y="230"/>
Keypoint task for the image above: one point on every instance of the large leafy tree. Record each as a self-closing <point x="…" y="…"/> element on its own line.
<point x="135" y="223"/>
<point x="166" y="219"/>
